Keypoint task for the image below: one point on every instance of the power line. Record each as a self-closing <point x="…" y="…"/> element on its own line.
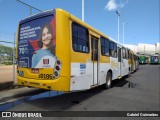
<point x="30" y="6"/>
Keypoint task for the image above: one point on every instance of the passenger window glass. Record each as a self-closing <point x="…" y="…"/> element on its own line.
<point x="113" y="49"/>
<point x="124" y="53"/>
<point x="80" y="38"/>
<point x="104" y="46"/>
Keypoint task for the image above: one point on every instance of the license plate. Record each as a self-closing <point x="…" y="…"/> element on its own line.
<point x="35" y="71"/>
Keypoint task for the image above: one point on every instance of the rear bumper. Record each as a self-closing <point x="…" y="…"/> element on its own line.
<point x="59" y="84"/>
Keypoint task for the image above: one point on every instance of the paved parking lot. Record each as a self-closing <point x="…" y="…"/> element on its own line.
<point x="138" y="92"/>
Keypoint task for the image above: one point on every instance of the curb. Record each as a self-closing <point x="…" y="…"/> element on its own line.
<point x="6" y="85"/>
<point x="23" y="92"/>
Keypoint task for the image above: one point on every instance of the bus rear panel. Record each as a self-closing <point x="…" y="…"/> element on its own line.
<point x="39" y="63"/>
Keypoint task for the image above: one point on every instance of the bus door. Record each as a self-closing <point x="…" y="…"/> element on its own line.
<point x="94" y="47"/>
<point x="120" y="60"/>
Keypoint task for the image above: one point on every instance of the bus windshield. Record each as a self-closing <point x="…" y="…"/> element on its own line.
<point x="36" y="41"/>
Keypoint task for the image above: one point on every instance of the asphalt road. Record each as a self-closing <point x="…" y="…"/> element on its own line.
<point x="138" y="92"/>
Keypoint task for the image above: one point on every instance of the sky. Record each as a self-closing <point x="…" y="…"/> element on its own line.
<point x="141" y="17"/>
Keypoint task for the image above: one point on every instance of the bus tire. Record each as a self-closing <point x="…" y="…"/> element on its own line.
<point x="108" y="80"/>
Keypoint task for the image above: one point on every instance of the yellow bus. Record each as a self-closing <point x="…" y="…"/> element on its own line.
<point x="57" y="51"/>
<point x="134" y="61"/>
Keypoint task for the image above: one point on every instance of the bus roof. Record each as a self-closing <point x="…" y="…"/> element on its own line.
<point x="93" y="29"/>
<point x="35" y="16"/>
<point x="50" y="12"/>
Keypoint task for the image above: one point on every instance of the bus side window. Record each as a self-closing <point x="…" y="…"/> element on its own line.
<point x="124" y="53"/>
<point x="80" y="38"/>
<point x="127" y="54"/>
<point x="75" y="37"/>
<point x="104" y="46"/>
<point x="113" y="49"/>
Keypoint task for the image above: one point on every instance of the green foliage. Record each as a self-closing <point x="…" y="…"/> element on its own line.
<point x="8" y="63"/>
<point x="6" y="55"/>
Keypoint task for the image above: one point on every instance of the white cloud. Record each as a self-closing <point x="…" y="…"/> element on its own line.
<point x="113" y="5"/>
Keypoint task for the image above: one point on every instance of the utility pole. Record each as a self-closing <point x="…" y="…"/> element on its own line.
<point x="123" y="31"/>
<point x="83" y="10"/>
<point x="14" y="53"/>
<point x="118" y="23"/>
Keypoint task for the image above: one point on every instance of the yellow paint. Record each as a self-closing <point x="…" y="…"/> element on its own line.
<point x="80" y="57"/>
<point x="119" y="77"/>
<point x="57" y="84"/>
<point x="129" y="61"/>
<point x="114" y="64"/>
<point x="94" y="34"/>
<point x="104" y="59"/>
<point x="28" y="72"/>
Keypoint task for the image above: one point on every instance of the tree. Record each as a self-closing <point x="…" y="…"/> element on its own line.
<point x="6" y="54"/>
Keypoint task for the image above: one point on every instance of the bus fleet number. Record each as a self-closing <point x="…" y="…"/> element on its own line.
<point x="45" y="76"/>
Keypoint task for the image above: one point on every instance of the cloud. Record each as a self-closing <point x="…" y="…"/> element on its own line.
<point x="113" y="5"/>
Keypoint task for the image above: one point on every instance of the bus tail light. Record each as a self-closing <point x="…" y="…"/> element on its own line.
<point x="57" y="68"/>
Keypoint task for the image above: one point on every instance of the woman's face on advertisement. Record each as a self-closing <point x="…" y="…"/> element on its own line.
<point x="46" y="36"/>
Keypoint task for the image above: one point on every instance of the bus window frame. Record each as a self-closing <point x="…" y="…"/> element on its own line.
<point x="123" y="54"/>
<point x="87" y="38"/>
<point x="114" y="49"/>
<point x="105" y="39"/>
<point x="127" y="55"/>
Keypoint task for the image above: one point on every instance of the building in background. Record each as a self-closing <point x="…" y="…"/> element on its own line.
<point x="157" y="48"/>
<point x="132" y="47"/>
<point x="146" y="49"/>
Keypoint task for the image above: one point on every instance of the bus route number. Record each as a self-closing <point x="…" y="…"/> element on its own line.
<point x="45" y="76"/>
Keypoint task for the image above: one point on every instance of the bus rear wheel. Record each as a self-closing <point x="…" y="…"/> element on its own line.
<point x="108" y="80"/>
